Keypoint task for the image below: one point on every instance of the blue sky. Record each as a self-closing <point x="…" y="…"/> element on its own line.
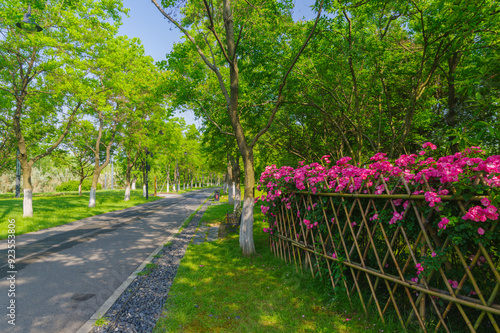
<point x="158" y="35"/>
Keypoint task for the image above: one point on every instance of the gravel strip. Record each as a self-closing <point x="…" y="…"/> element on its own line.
<point x="140" y="306"/>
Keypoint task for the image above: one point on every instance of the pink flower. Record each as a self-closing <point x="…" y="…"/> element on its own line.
<point x="374" y="217"/>
<point x="454" y="284"/>
<point x="333" y="220"/>
<point x="421" y="153"/>
<point x="433" y="254"/>
<point x="485" y="202"/>
<point x="419" y="268"/>
<point x="432" y="198"/>
<point x="396" y="217"/>
<point x="444" y="222"/>
<point x="414" y="279"/>
<point x="480" y="231"/>
<point x="406" y="204"/>
<point x="430" y="145"/>
<point x="334" y="255"/>
<point x="347" y="319"/>
<point x="353" y="224"/>
<point x="265" y="230"/>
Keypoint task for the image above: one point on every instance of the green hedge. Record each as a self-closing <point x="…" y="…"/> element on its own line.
<point x="72" y="185"/>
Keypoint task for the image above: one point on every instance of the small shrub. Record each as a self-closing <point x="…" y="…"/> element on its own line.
<point x="72" y="185"/>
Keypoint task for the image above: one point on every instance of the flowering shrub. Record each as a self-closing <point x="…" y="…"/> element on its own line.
<point x="444" y="206"/>
<point x="465" y="174"/>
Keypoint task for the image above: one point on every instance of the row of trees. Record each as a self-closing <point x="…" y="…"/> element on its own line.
<point x="79" y="88"/>
<point x="362" y="77"/>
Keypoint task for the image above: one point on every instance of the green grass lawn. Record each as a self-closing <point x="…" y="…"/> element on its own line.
<point x="217" y="289"/>
<point x="53" y="209"/>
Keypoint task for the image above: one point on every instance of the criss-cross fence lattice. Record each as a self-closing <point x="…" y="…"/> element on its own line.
<point x="429" y="280"/>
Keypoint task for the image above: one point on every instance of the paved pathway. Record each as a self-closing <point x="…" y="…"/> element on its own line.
<point x="206" y="233"/>
<point x="64" y="274"/>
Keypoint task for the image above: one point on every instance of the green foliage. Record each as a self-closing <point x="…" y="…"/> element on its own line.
<point x="72" y="185"/>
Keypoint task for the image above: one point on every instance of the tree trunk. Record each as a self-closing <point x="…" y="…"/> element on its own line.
<point x="28" y="189"/>
<point x="95" y="180"/>
<point x="80" y="187"/>
<point x="127" y="185"/>
<point x="92" y="197"/>
<point x="133" y="183"/>
<point x="246" y="226"/>
<point x="127" y="192"/>
<point x="230" y="179"/>
<point x="23" y="160"/>
<point x="236" y="182"/>
<point x="450" y="117"/>
<point x="144" y="182"/>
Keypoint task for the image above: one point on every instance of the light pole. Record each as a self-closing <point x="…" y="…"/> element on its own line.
<point x="148" y="168"/>
<point x="27" y="24"/>
<point x="18" y="176"/>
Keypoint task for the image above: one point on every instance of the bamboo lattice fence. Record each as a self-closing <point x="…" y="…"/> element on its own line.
<point x="377" y="262"/>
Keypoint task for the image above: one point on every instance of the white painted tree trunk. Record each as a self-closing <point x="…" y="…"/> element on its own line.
<point x="230" y="195"/>
<point x="80" y="189"/>
<point x="133" y="183"/>
<point x="127" y="193"/>
<point x="144" y="190"/>
<point x="92" y="197"/>
<point x="246" y="226"/>
<point x="237" y="197"/>
<point x="168" y="187"/>
<point x="28" y="203"/>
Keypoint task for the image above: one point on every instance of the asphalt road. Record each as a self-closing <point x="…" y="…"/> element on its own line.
<point x="64" y="274"/>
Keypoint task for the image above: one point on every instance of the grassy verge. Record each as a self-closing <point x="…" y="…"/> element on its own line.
<point x="50" y="211"/>
<point x="217" y="289"/>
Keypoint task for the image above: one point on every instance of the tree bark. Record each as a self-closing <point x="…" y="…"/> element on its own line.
<point x="230" y="196"/>
<point x="450" y="117"/>
<point x="80" y="187"/>
<point x="97" y="167"/>
<point x="236" y="182"/>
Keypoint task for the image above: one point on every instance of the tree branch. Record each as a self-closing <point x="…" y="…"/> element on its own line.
<point x="212" y="28"/>
<point x="282" y="85"/>
<point x="61" y="137"/>
<point x="213" y="122"/>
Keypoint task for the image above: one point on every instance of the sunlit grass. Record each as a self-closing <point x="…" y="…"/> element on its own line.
<point x="51" y="210"/>
<point x="217" y="289"/>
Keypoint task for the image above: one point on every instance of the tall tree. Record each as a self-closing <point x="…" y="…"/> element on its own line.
<point x="210" y="29"/>
<point x="42" y="75"/>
